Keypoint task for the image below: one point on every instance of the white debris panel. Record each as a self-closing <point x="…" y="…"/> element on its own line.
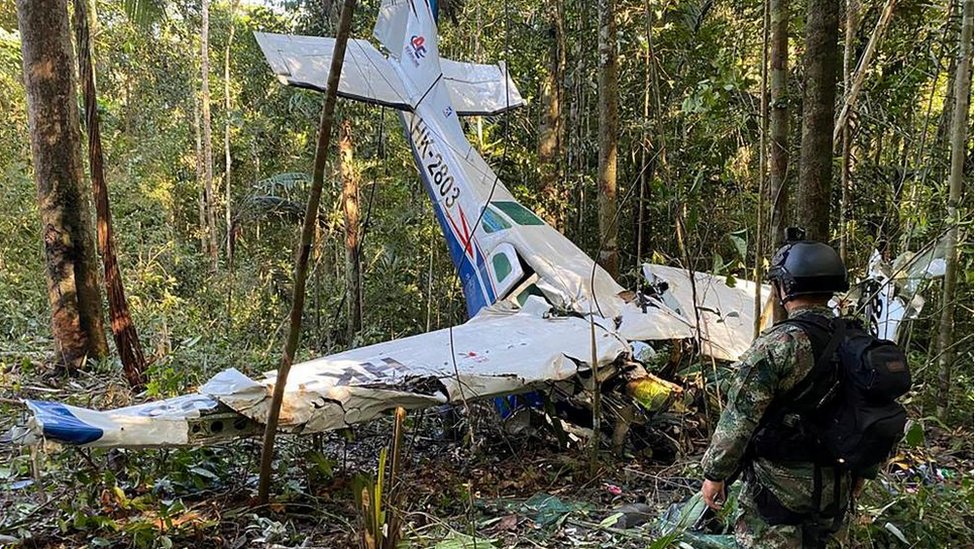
<point x="726" y="313"/>
<point x="498" y="352"/>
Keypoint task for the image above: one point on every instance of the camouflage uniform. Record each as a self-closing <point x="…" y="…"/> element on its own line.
<point x="778" y="360"/>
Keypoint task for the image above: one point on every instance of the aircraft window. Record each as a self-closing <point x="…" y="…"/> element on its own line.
<point x="502" y="266"/>
<point x="518" y="213"/>
<point x="492" y="222"/>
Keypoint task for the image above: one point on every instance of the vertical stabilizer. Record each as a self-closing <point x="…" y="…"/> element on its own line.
<point x="407" y="28"/>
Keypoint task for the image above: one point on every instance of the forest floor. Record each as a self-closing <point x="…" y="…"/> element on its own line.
<point x="510" y="490"/>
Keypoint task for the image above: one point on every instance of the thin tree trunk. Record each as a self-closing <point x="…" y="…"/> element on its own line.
<point x="304" y="250"/>
<point x="850" y="96"/>
<point x="816" y="143"/>
<point x="123" y="329"/>
<point x="201" y="196"/>
<point x="227" y="123"/>
<point x="350" y="210"/>
<point x="958" y="143"/>
<point x="761" y="194"/>
<point x="550" y="125"/>
<point x="850" y="29"/>
<point x="645" y="177"/>
<point x="779" y="124"/>
<point x="608" y="128"/>
<point x="779" y="120"/>
<point x="208" y="189"/>
<point x="52" y="109"/>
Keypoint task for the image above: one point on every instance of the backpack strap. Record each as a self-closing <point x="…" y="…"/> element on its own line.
<point x="825" y="337"/>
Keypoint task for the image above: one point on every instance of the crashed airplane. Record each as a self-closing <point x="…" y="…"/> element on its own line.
<point x="541" y="311"/>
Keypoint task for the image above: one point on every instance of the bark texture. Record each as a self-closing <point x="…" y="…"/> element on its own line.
<point x="552" y="145"/>
<point x="350" y="211"/>
<point x="779" y="127"/>
<point x="123" y="329"/>
<point x="820" y="60"/>
<point x="608" y="128"/>
<point x="779" y="118"/>
<point x="69" y="249"/>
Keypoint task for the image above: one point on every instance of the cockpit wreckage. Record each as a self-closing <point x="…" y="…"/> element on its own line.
<point x="541" y="312"/>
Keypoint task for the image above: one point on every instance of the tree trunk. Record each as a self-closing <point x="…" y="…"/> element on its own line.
<point x="608" y="128"/>
<point x="208" y="190"/>
<point x="816" y="137"/>
<point x="779" y="119"/>
<point x="52" y="108"/>
<point x="227" y="122"/>
<point x="551" y="144"/>
<point x="779" y="125"/>
<point x="850" y="29"/>
<point x="760" y="195"/>
<point x="304" y="249"/>
<point x="123" y="329"/>
<point x="958" y="143"/>
<point x="201" y="197"/>
<point x="350" y="211"/>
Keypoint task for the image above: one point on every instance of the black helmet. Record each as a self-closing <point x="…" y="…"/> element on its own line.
<point x="808" y="267"/>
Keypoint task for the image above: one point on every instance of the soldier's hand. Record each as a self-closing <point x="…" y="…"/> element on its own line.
<point x="713" y="492"/>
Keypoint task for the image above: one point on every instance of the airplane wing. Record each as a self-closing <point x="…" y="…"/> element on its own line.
<point x="498" y="352"/>
<point x="726" y="313"/>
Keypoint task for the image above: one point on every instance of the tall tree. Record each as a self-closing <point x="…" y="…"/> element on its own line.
<point x="850" y="29"/>
<point x="69" y="249"/>
<point x="552" y="143"/>
<point x="816" y="137"/>
<point x="608" y="127"/>
<point x="227" y="124"/>
<point x="305" y="246"/>
<point x="123" y="329"/>
<point x="206" y="133"/>
<point x="779" y="126"/>
<point x="757" y="273"/>
<point x="958" y="140"/>
<point x="350" y="211"/>
<point x="198" y="163"/>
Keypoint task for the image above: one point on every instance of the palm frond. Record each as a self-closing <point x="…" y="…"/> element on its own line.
<point x="144" y="13"/>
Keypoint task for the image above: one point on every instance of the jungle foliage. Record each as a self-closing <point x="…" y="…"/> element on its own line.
<point x="688" y="162"/>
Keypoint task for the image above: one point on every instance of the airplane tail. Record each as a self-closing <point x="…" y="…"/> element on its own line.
<point x="407" y="29"/>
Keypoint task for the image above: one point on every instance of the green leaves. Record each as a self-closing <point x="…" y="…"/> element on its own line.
<point x="144" y="13"/>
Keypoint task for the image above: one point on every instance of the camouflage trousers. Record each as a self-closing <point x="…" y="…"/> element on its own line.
<point x="753" y="532"/>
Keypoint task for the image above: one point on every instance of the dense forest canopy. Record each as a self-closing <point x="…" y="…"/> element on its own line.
<point x="692" y="186"/>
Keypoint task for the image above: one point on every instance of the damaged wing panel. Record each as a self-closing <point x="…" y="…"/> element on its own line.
<point x="726" y="313"/>
<point x="498" y="352"/>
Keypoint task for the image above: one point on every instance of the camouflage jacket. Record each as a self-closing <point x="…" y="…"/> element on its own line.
<point x="780" y="358"/>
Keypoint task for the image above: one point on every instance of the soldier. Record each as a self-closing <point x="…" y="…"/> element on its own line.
<point x="790" y="502"/>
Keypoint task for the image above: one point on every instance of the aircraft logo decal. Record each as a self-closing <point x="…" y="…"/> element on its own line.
<point x="416" y="49"/>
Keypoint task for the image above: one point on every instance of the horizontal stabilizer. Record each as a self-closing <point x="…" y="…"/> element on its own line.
<point x="304" y="61"/>
<point x="480" y="90"/>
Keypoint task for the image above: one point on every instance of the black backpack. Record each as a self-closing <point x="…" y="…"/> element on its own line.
<point x="844" y="413"/>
